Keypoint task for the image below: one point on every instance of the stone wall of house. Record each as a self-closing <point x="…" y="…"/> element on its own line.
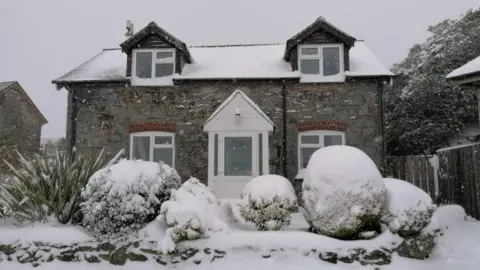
<point x="18" y="122"/>
<point x="104" y="113"/>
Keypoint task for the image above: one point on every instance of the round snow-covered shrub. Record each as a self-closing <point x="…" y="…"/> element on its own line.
<point x="124" y="197"/>
<point x="343" y="191"/>
<point x="408" y="209"/>
<point x="191" y="213"/>
<point x="267" y="201"/>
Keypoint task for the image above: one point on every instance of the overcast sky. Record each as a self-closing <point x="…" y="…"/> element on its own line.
<point x="41" y="40"/>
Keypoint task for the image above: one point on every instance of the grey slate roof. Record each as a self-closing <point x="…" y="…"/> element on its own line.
<point x="5" y="85"/>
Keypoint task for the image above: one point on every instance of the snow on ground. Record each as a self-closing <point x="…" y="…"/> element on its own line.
<point x="41" y="232"/>
<point x="458" y="249"/>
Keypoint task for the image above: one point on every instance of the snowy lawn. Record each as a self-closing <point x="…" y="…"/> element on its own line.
<point x="458" y="248"/>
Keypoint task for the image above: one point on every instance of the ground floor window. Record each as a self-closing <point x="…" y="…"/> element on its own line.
<point x="153" y="146"/>
<point x="310" y="141"/>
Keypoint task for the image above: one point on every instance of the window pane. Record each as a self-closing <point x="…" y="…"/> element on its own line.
<point x="238" y="156"/>
<point x="163" y="139"/>
<point x="162" y="55"/>
<point x="163" y="154"/>
<point x="260" y="153"/>
<point x="332" y="140"/>
<point x="305" y="154"/>
<point x="141" y="148"/>
<point x="163" y="69"/>
<point x="309" y="51"/>
<point x="143" y="65"/>
<point x="310" y="66"/>
<point x="309" y="139"/>
<point x="331" y="61"/>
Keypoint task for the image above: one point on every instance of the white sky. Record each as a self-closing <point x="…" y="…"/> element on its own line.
<point x="41" y="40"/>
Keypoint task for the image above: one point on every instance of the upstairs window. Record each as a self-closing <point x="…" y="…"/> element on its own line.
<point x="321" y="60"/>
<point x="311" y="141"/>
<point x="154" y="63"/>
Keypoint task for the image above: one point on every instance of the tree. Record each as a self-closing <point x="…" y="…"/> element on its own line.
<point x="424" y="111"/>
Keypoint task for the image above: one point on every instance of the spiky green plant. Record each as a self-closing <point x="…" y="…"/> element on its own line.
<point x="41" y="187"/>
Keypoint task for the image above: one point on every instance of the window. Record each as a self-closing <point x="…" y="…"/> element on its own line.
<point x="153" y="63"/>
<point x="324" y="60"/>
<point x="310" y="141"/>
<point x="153" y="146"/>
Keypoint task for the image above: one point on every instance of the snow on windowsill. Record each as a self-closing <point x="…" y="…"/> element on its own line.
<point x="162" y="81"/>
<point x="309" y="78"/>
<point x="300" y="174"/>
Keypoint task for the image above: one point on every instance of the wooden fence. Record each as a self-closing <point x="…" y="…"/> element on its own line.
<point x="416" y="170"/>
<point x="455" y="178"/>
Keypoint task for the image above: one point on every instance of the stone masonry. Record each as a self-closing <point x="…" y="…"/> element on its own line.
<point x="105" y="112"/>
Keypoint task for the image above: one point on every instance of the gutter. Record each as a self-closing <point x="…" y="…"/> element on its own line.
<point x="381" y="97"/>
<point x="284" y="123"/>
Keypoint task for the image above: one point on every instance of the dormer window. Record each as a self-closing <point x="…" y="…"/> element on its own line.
<point x="153" y="63"/>
<point x="321" y="61"/>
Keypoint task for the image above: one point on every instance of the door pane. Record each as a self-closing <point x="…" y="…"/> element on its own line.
<point x="332" y="140"/>
<point x="143" y="65"/>
<point x="310" y="66"/>
<point x="141" y="148"/>
<point x="163" y="154"/>
<point x="331" y="61"/>
<point x="238" y="156"/>
<point x="305" y="154"/>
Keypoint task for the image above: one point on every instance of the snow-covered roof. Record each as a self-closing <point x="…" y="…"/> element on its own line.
<point x="224" y="62"/>
<point x="5" y="85"/>
<point x="467" y="69"/>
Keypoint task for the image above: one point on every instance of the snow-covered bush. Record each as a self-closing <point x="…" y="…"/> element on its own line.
<point x="124" y="197"/>
<point x="343" y="191"/>
<point x="267" y="201"/>
<point x="191" y="213"/>
<point x="408" y="209"/>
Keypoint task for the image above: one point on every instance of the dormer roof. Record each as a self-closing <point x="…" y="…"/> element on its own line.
<point x="320" y="24"/>
<point x="153" y="29"/>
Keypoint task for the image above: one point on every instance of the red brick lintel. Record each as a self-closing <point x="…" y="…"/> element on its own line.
<point x="152" y="126"/>
<point x="336" y="125"/>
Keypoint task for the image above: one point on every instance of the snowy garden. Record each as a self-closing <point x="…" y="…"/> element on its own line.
<point x="101" y="213"/>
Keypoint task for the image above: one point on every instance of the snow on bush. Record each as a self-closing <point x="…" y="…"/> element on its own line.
<point x="124" y="197"/>
<point x="408" y="209"/>
<point x="343" y="191"/>
<point x="267" y="201"/>
<point x="191" y="213"/>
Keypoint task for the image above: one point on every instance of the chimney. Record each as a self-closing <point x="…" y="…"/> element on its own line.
<point x="129" y="29"/>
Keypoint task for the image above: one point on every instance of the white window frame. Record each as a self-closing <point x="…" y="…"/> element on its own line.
<point x="154" y="61"/>
<point x="152" y="135"/>
<point x="320" y="144"/>
<point x="319" y="56"/>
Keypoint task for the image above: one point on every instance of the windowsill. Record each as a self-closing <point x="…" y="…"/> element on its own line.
<point x="308" y="78"/>
<point x="162" y="81"/>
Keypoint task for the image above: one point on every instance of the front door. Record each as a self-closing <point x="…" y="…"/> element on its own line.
<point x="238" y="162"/>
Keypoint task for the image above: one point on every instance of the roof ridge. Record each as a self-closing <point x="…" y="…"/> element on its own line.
<point x="236" y="45"/>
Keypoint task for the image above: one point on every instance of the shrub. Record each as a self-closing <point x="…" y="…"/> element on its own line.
<point x="39" y="188"/>
<point x="267" y="201"/>
<point x="343" y="191"/>
<point x="123" y="198"/>
<point x="191" y="213"/>
<point x="408" y="209"/>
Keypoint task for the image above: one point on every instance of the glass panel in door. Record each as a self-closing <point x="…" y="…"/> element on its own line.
<point x="238" y="156"/>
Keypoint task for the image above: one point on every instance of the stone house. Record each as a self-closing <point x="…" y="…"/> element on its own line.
<point x="20" y="120"/>
<point x="226" y="113"/>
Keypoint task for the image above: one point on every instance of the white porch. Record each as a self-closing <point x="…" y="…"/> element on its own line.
<point x="238" y="145"/>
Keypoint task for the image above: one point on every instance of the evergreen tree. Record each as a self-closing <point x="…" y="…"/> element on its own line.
<point x="424" y="111"/>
